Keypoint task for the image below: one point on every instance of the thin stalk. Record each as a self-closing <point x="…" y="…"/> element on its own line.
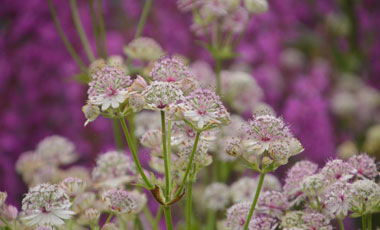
<point x="117" y="134"/>
<point x="134" y="154"/>
<point x="341" y="225"/>
<point x="108" y="219"/>
<point x="218" y="69"/>
<point x="144" y="16"/>
<point x="132" y="128"/>
<point x="166" y="162"/>
<point x="149" y="216"/>
<point x="66" y="41"/>
<point x="211" y="217"/>
<point x="189" y="189"/>
<point x="137" y="223"/>
<point x="79" y="28"/>
<point x="5" y="222"/>
<point x="102" y="29"/>
<point x="179" y="191"/>
<point x="169" y="152"/>
<point x="364" y="222"/>
<point x="168" y="218"/>
<point x="261" y="180"/>
<point x="95" y="27"/>
<point x="158" y="218"/>
<point x="369" y="218"/>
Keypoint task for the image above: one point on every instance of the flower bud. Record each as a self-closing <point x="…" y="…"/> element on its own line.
<point x="96" y="65"/>
<point x="73" y="186"/>
<point x="92" y="215"/>
<point x="11" y="212"/>
<point x="139" y="84"/>
<point x="91" y="112"/>
<point x="143" y="48"/>
<point x="110" y="226"/>
<point x="136" y="102"/>
<point x="256" y="6"/>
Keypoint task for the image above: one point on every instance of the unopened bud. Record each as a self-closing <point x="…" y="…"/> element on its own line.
<point x="91" y="112"/>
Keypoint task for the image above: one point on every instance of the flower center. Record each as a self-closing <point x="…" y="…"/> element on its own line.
<point x="111" y="91"/>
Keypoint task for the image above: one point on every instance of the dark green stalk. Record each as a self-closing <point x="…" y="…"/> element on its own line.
<point x="95" y="27"/>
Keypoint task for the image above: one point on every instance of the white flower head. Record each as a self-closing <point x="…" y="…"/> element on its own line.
<point x="243" y="189"/>
<point x="57" y="150"/>
<point x="365" y="196"/>
<point x="46" y="204"/>
<point x="119" y="201"/>
<point x="144" y="48"/>
<point x="337" y="199"/>
<point x="73" y="186"/>
<point x="272" y="203"/>
<point x="216" y="196"/>
<point x="162" y="95"/>
<point x="256" y="6"/>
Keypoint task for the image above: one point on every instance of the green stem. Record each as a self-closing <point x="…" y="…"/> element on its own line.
<point x="149" y="216"/>
<point x="179" y="191"/>
<point x="218" y="69"/>
<point x="66" y="41"/>
<point x="134" y="154"/>
<point x="117" y="134"/>
<point x="364" y="222"/>
<point x="211" y="217"/>
<point x="158" y="218"/>
<point x="95" y="27"/>
<point x="168" y="218"/>
<point x="132" y="128"/>
<point x="189" y="189"/>
<point x="261" y="180"/>
<point x="169" y="151"/>
<point x="81" y="33"/>
<point x="166" y="162"/>
<point x="102" y="29"/>
<point x="144" y="16"/>
<point x="341" y="225"/>
<point x="109" y="218"/>
<point x="6" y="223"/>
<point x="369" y="218"/>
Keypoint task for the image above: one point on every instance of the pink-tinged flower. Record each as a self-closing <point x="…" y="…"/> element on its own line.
<point x="315" y="220"/>
<point x="73" y="186"/>
<point x="11" y="212"/>
<point x="236" y="21"/>
<point x="162" y="95"/>
<point x="57" y="150"/>
<point x="187" y="5"/>
<point x="365" y="196"/>
<point x="365" y="165"/>
<point x="337" y="199"/>
<point x="314" y="185"/>
<point x="119" y="201"/>
<point x="272" y="203"/>
<point x="262" y="222"/>
<point x="243" y="189"/>
<point x="237" y="215"/>
<point x="143" y="48"/>
<point x="113" y="168"/>
<point x="46" y="204"/>
<point x="216" y="196"/>
<point x="109" y="88"/>
<point x="337" y="169"/>
<point x="295" y="176"/>
<point x="139" y="199"/>
<point x="170" y="70"/>
<point x="204" y="110"/>
<point x="153" y="140"/>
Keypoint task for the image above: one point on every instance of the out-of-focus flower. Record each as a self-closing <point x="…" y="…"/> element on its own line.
<point x="372" y="140"/>
<point x="92" y="215"/>
<point x="204" y="74"/>
<point x="110" y="226"/>
<point x="153" y="139"/>
<point x="57" y="150"/>
<point x="91" y="112"/>
<point x="216" y="196"/>
<point x="73" y="186"/>
<point x="365" y="165"/>
<point x="119" y="201"/>
<point x="46" y="204"/>
<point x="337" y="199"/>
<point x="187" y="5"/>
<point x="3" y="197"/>
<point x="109" y="88"/>
<point x="113" y="168"/>
<point x="237" y="215"/>
<point x="262" y="222"/>
<point x="295" y="176"/>
<point x="11" y="212"/>
<point x="204" y="110"/>
<point x="338" y="23"/>
<point x="44" y="228"/>
<point x="337" y="170"/>
<point x="162" y="95"/>
<point x="272" y="203"/>
<point x="243" y="189"/>
<point x="236" y="21"/>
<point x="315" y="220"/>
<point x="143" y="48"/>
<point x="271" y="183"/>
<point x="139" y="84"/>
<point x="347" y="149"/>
<point x="84" y="201"/>
<point x="313" y="185"/>
<point x="256" y="6"/>
<point x="145" y="121"/>
<point x="292" y="220"/>
<point x="364" y="196"/>
<point x="139" y="199"/>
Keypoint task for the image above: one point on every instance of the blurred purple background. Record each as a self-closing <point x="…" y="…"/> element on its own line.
<point x="40" y="97"/>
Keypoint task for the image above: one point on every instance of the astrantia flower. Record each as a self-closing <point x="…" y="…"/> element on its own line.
<point x="243" y="189"/>
<point x="256" y="6"/>
<point x="313" y="185"/>
<point x="84" y="201"/>
<point x="73" y="186"/>
<point x="119" y="201"/>
<point x="272" y="203"/>
<point x="237" y="215"/>
<point x="113" y="168"/>
<point x="204" y="110"/>
<point x="365" y="196"/>
<point x="139" y="199"/>
<point x="110" y="226"/>
<point x="295" y="176"/>
<point x="187" y="5"/>
<point x="57" y="150"/>
<point x="236" y="21"/>
<point x="109" y="88"/>
<point x="170" y="70"/>
<point x="315" y="220"/>
<point x="337" y="170"/>
<point x="162" y="95"/>
<point x="46" y="204"/>
<point x="143" y="48"/>
<point x="44" y="228"/>
<point x="271" y="182"/>
<point x="91" y="112"/>
<point x="365" y="165"/>
<point x="3" y="197"/>
<point x="337" y="199"/>
<point x="91" y="215"/>
<point x="262" y="222"/>
<point x="153" y="139"/>
<point x="216" y="196"/>
<point x="292" y="220"/>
